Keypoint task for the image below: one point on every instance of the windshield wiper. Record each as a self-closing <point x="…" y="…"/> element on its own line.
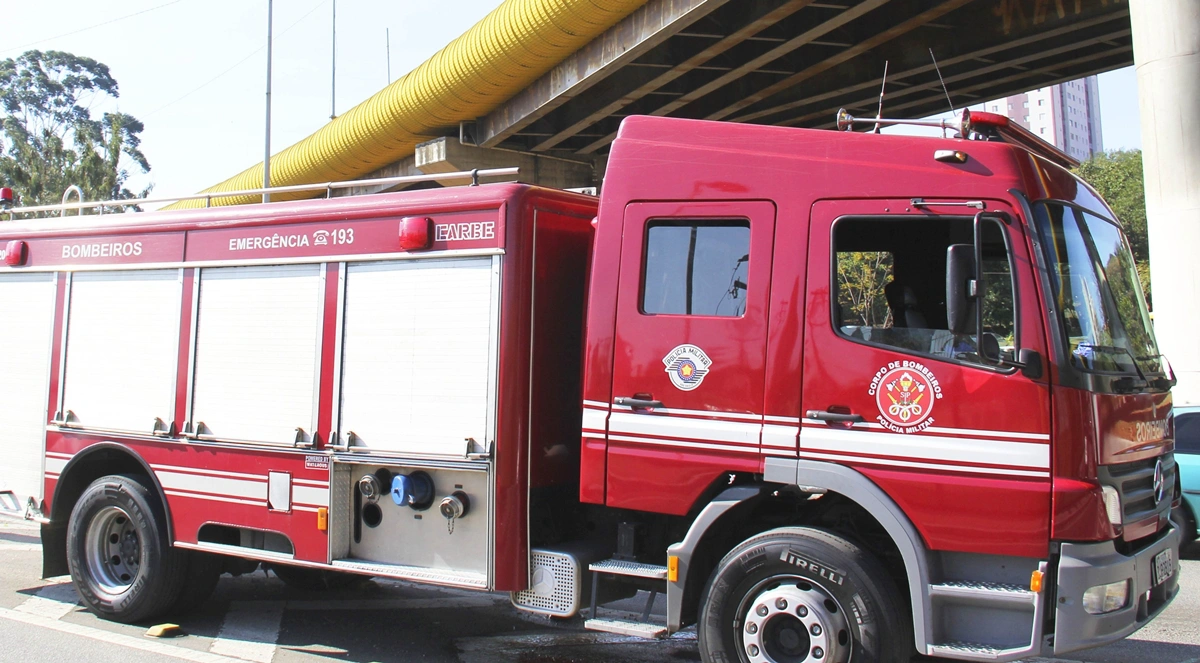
<point x="1128" y="383"/>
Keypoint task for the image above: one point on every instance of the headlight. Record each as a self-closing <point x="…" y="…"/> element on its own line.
<point x="1112" y="504"/>
<point x="1102" y="599"/>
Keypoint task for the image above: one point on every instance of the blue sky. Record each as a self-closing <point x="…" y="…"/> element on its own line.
<point x="194" y="70"/>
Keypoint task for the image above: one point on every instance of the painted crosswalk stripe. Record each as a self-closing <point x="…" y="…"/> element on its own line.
<point x="131" y="642"/>
<point x="249" y="631"/>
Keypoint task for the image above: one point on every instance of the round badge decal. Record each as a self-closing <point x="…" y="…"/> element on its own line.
<point x="686" y="365"/>
<point x="905" y="392"/>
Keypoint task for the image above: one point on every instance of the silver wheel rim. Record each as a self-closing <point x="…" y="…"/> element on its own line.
<point x="787" y="619"/>
<point x="114" y="550"/>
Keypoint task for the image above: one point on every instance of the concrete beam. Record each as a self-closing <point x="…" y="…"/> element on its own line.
<point x="402" y="168"/>
<point x="745" y="69"/>
<point x="753" y="27"/>
<point x="448" y="155"/>
<point x="1027" y="48"/>
<point x="629" y="39"/>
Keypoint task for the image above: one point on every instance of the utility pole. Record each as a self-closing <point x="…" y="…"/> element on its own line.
<point x="266" y="198"/>
<point x="333" y="68"/>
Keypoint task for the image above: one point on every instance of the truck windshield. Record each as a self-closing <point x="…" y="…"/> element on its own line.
<point x="1098" y="298"/>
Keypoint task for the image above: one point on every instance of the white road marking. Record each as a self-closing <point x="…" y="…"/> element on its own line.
<point x="249" y="631"/>
<point x="52" y="601"/>
<point x="116" y="638"/>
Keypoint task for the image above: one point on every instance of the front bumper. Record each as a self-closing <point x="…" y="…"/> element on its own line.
<point x="1084" y="565"/>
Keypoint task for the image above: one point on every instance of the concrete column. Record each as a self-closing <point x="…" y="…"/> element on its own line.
<point x="1166" y="52"/>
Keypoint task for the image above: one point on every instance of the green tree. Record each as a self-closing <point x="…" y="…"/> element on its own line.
<point x="49" y="139"/>
<point x="861" y="277"/>
<point x="1117" y="175"/>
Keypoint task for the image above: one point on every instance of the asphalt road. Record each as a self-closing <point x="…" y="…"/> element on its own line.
<point x="256" y="618"/>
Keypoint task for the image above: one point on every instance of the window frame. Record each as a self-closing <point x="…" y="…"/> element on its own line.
<point x="903" y="218"/>
<point x="684" y="222"/>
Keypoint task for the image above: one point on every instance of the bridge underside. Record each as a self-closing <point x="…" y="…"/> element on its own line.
<point x="793" y="63"/>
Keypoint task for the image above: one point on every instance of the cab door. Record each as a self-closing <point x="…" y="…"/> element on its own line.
<point x="690" y="350"/>
<point x="961" y="445"/>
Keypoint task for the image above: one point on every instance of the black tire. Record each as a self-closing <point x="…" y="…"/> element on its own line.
<point x="121" y="561"/>
<point x="781" y="595"/>
<point x="203" y="572"/>
<point x="319" y="580"/>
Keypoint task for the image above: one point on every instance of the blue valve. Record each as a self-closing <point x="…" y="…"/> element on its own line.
<point x="414" y="490"/>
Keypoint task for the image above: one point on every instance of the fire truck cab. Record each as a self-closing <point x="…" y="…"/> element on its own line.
<point x="834" y="394"/>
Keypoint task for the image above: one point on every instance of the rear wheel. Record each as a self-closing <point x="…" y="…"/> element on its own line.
<point x="799" y="594"/>
<point x="120" y="559"/>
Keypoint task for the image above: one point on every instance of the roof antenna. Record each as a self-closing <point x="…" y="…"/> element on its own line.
<point x="944" y="90"/>
<point x="882" y="87"/>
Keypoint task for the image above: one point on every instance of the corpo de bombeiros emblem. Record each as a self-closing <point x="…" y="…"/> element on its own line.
<point x="686" y="366"/>
<point x="905" y="392"/>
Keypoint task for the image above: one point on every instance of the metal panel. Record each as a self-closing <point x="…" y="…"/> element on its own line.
<point x="257" y="340"/>
<point x="26" y="332"/>
<point x="415" y="355"/>
<point x="122" y="349"/>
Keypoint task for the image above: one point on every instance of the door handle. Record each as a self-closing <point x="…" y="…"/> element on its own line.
<point x="835" y="417"/>
<point x="637" y="403"/>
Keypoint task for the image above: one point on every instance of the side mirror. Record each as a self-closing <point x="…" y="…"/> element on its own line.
<point x="961" y="288"/>
<point x="989" y="348"/>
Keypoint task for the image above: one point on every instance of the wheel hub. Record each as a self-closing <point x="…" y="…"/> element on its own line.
<point x="114" y="551"/>
<point x="795" y="621"/>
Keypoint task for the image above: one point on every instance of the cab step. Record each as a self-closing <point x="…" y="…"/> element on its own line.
<point x="622" y="567"/>
<point x="639" y="628"/>
<point x="984" y="592"/>
<point x="627" y="627"/>
<point x="972" y="651"/>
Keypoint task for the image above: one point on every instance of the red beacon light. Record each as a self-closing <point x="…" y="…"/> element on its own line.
<point x="416" y="233"/>
<point x="14" y="253"/>
<point x="6" y="198"/>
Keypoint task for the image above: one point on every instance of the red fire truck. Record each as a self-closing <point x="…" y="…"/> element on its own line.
<point x="835" y="395"/>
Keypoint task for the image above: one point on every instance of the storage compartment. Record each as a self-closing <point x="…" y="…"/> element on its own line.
<point x="418" y="356"/>
<point x="424" y="522"/>
<point x="26" y="338"/>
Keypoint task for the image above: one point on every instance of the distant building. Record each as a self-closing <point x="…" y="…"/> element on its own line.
<point x="1067" y="115"/>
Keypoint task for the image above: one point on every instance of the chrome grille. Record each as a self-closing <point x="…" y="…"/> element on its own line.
<point x="1135" y="483"/>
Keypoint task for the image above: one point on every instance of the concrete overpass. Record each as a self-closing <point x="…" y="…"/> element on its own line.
<point x="782" y="62"/>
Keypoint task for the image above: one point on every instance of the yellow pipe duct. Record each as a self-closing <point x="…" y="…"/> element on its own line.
<point x="500" y="55"/>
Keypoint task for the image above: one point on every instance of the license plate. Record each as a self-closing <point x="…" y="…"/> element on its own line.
<point x="1164" y="567"/>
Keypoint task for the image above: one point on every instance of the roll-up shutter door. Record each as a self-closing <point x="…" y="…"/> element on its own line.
<point x="256" y="352"/>
<point x="122" y="348"/>
<point x="26" y="329"/>
<point x="416" y="362"/>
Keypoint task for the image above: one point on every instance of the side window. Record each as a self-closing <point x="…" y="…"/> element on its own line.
<point x="890" y="277"/>
<point x="696" y="267"/>
<point x="1187" y="433"/>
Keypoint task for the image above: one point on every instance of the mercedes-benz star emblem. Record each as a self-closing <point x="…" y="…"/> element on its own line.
<point x="1160" y="484"/>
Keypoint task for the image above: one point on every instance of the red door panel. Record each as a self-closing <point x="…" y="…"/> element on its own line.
<point x="690" y="350"/>
<point x="963" y="448"/>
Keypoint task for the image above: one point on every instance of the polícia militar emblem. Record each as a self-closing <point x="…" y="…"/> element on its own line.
<point x="686" y="366"/>
<point x="905" y="393"/>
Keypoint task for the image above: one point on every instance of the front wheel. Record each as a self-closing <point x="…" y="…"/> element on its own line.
<point x="121" y="562"/>
<point x="799" y="594"/>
